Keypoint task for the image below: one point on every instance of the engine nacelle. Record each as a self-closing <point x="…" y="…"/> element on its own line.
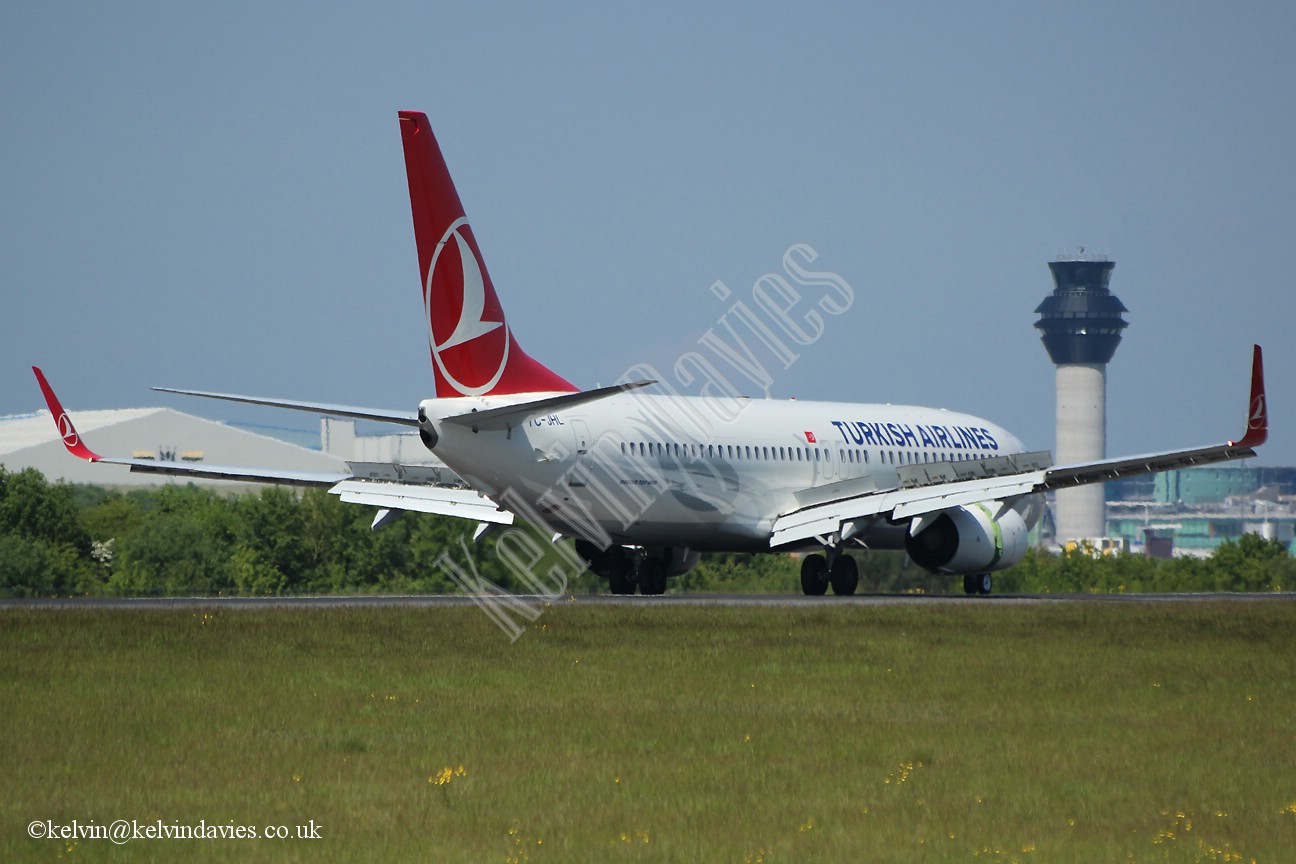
<point x="969" y="540"/>
<point x="678" y="559"/>
<point x="427" y="432"/>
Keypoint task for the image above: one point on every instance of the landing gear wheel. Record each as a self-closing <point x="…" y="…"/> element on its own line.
<point x="652" y="578"/>
<point x="814" y="575"/>
<point x="977" y="583"/>
<point x="969" y="584"/>
<point x="844" y="575"/>
<point x="984" y="584"/>
<point x="619" y="580"/>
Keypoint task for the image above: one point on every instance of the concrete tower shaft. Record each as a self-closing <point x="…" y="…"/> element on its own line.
<point x="1081" y="437"/>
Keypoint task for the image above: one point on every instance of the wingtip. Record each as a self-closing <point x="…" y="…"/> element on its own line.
<point x="71" y="439"/>
<point x="1257" y="431"/>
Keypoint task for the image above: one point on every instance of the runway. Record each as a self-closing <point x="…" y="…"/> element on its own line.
<point x="734" y="600"/>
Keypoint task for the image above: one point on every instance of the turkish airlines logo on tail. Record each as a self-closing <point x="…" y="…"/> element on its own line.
<point x="1257" y="419"/>
<point x="466" y="327"/>
<point x="66" y="430"/>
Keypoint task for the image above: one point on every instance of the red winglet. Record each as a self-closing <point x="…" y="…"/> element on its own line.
<point x="71" y="440"/>
<point x="1257" y="431"/>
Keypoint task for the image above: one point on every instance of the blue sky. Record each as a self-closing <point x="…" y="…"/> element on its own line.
<point x="213" y="196"/>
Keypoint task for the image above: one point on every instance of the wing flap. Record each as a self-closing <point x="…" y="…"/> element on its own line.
<point x="442" y="500"/>
<point x="922" y="501"/>
<point x="897" y="504"/>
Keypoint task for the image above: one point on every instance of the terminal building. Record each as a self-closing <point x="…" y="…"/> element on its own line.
<point x="1192" y="511"/>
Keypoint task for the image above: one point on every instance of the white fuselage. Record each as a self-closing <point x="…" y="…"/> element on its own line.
<point x="707" y="473"/>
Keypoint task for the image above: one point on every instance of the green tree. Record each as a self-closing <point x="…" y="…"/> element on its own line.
<point x="251" y="576"/>
<point x="182" y="546"/>
<point x="272" y="523"/>
<point x="43" y="547"/>
<point x="32" y="507"/>
<point x="1250" y="563"/>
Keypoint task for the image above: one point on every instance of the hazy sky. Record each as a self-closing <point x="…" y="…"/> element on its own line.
<point x="213" y="195"/>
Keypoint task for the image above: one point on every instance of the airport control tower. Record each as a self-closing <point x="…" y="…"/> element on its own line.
<point x="1080" y="324"/>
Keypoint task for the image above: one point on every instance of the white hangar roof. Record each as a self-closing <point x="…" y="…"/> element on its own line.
<point x="32" y="441"/>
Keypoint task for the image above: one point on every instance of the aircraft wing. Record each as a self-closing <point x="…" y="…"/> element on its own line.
<point x="270" y="476"/>
<point x="925" y="490"/>
<point x="424" y="488"/>
<point x="831" y="517"/>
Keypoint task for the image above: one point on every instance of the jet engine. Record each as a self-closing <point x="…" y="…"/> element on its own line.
<point x="427" y="432"/>
<point x="678" y="559"/>
<point x="969" y="539"/>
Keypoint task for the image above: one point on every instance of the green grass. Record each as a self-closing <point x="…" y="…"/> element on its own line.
<point x="939" y="731"/>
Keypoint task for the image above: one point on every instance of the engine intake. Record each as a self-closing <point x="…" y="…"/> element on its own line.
<point x="969" y="540"/>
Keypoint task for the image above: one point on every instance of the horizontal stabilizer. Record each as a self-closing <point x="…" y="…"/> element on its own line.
<point x="379" y="415"/>
<point x="508" y="416"/>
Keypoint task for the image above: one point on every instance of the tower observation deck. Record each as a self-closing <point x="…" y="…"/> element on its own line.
<point x="1080" y="325"/>
<point x="1080" y="322"/>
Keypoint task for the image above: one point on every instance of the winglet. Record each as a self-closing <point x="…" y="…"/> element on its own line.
<point x="71" y="440"/>
<point x="1257" y="431"/>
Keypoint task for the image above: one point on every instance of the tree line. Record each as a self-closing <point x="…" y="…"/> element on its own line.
<point x="60" y="539"/>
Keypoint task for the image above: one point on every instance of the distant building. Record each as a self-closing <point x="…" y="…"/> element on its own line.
<point x="339" y="438"/>
<point x="1193" y="510"/>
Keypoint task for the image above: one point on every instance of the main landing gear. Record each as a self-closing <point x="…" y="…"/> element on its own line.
<point x="626" y="569"/>
<point x="627" y="573"/>
<point x="834" y="568"/>
<point x="977" y="583"/>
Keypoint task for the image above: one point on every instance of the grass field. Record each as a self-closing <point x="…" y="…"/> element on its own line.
<point x="938" y="731"/>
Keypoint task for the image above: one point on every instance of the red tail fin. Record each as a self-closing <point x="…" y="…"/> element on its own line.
<point x="473" y="350"/>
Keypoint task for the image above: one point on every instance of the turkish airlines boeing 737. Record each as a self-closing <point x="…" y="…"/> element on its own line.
<point x="644" y="483"/>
